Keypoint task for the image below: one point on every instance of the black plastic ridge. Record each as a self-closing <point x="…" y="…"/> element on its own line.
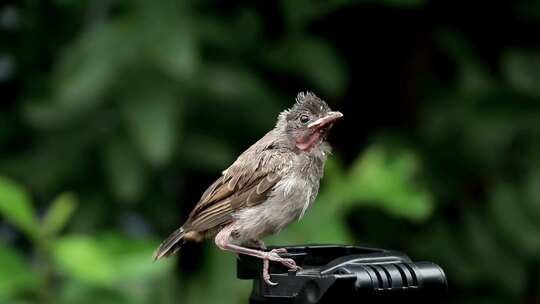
<point x="345" y="274"/>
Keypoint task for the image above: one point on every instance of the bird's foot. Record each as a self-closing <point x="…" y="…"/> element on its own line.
<point x="273" y="255"/>
<point x="265" y="274"/>
<point x="279" y="250"/>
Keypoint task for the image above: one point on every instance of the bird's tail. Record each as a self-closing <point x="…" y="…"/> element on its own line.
<point x="171" y="245"/>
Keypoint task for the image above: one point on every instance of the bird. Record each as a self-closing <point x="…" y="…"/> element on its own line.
<point x="269" y="186"/>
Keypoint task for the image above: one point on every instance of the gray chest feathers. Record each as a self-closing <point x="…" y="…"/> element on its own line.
<point x="288" y="202"/>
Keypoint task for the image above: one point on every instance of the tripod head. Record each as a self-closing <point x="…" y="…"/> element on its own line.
<point x="345" y="274"/>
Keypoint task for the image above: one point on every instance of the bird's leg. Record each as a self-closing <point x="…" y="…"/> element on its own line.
<point x="223" y="242"/>
<point x="260" y="244"/>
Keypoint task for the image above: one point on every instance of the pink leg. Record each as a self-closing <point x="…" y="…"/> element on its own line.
<point x="222" y="241"/>
<point x="262" y="246"/>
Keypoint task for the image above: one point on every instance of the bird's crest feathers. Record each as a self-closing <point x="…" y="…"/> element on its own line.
<point x="304" y="101"/>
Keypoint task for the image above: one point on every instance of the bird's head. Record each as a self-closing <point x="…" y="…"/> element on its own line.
<point x="308" y="122"/>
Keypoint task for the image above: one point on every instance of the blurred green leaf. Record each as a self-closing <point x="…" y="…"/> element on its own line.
<point x="239" y="32"/>
<point x="81" y="293"/>
<point x="133" y="257"/>
<point x="233" y="84"/>
<point x="176" y="53"/>
<point x="531" y="189"/>
<point x="299" y="13"/>
<point x="516" y="227"/>
<point x="16" y="206"/>
<point x="388" y="179"/>
<point x="445" y="245"/>
<point x="217" y="155"/>
<point x="313" y="59"/>
<point x="124" y="171"/>
<point x="152" y="119"/>
<point x="59" y="214"/>
<point x="81" y="257"/>
<point x="456" y="46"/>
<point x="15" y="275"/>
<point x="42" y="115"/>
<point x="522" y="70"/>
<point x="89" y="67"/>
<point x="218" y="270"/>
<point x="488" y="254"/>
<point x="108" y="259"/>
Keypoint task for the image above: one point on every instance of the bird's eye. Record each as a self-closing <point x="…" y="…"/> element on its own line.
<point x="304" y="119"/>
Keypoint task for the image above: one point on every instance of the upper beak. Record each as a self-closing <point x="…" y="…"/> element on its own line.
<point x="329" y="118"/>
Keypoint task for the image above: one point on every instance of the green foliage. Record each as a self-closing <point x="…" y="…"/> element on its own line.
<point x="16" y="275"/>
<point x="523" y="71"/>
<point x="84" y="262"/>
<point x="151" y="116"/>
<point x="134" y="106"/>
<point x="59" y="213"/>
<point x="386" y="177"/>
<point x="107" y="260"/>
<point x="15" y="206"/>
<point x="328" y="74"/>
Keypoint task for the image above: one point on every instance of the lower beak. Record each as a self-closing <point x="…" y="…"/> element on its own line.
<point x="329" y="118"/>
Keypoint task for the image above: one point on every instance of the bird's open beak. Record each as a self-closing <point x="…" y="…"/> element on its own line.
<point x="329" y="118"/>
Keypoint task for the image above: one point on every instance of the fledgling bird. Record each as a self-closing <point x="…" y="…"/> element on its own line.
<point x="269" y="186"/>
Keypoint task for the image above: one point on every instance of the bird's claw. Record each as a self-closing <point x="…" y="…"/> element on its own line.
<point x="279" y="250"/>
<point x="290" y="263"/>
<point x="273" y="255"/>
<point x="266" y="277"/>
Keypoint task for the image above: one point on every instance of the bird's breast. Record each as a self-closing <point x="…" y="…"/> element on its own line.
<point x="296" y="194"/>
<point x="288" y="202"/>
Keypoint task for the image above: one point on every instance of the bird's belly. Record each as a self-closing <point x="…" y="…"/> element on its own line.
<point x="287" y="203"/>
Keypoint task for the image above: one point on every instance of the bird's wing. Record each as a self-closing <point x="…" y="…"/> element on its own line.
<point x="247" y="182"/>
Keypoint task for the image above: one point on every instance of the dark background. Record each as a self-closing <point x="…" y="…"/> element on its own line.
<point x="116" y="116"/>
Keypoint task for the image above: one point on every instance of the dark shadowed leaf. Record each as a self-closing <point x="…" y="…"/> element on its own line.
<point x="176" y="51"/>
<point x="312" y="59"/>
<point x="522" y="70"/>
<point x="152" y="119"/>
<point x="124" y="171"/>
<point x="488" y="253"/>
<point x="16" y="275"/>
<point x="90" y="66"/>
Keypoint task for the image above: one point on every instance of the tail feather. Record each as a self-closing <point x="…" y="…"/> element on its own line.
<point x="171" y="245"/>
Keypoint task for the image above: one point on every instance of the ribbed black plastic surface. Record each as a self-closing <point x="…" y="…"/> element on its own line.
<point x="345" y="274"/>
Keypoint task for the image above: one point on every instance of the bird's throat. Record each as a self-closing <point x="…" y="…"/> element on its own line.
<point x="305" y="143"/>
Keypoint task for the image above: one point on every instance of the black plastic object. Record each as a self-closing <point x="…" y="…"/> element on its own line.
<point x="345" y="274"/>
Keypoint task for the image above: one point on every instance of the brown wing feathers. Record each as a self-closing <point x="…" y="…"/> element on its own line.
<point x="244" y="184"/>
<point x="229" y="198"/>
